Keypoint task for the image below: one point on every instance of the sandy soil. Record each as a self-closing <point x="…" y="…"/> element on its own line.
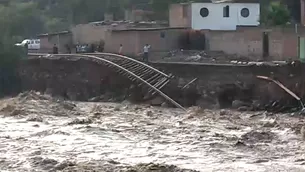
<point x="40" y="133"/>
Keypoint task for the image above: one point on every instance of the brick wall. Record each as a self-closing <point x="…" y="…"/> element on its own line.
<point x="88" y="33"/>
<point x="283" y="42"/>
<point x="243" y="43"/>
<point x="45" y="45"/>
<point x="180" y="15"/>
<point x="127" y="38"/>
<point x="133" y="41"/>
<point x="157" y="42"/>
<point x="47" y="42"/>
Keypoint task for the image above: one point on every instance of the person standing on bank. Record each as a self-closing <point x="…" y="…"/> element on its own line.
<point x="55" y="49"/>
<point x="68" y="49"/>
<point x="146" y="52"/>
<point x="120" y="49"/>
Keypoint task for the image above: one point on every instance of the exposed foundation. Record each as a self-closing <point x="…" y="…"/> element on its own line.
<point x="216" y="85"/>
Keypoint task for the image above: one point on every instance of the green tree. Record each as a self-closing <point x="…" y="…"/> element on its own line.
<point x="61" y="15"/>
<point x="275" y="14"/>
<point x="20" y="19"/>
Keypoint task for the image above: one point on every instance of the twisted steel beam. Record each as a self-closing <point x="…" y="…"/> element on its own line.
<point x="164" y="77"/>
<point x="129" y="59"/>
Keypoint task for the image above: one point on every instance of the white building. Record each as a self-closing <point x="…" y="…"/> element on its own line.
<point x="214" y="16"/>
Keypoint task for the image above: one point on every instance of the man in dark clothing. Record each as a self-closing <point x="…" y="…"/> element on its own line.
<point x="92" y="50"/>
<point x="68" y="49"/>
<point x="101" y="46"/>
<point x="55" y="49"/>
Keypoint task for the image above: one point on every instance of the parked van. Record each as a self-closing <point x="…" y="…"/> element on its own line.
<point x="33" y="44"/>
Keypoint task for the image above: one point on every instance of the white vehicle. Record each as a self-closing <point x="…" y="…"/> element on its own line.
<point x="33" y="44"/>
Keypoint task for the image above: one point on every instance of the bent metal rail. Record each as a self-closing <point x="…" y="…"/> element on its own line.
<point x="133" y="69"/>
<point x="153" y="76"/>
<point x="128" y="59"/>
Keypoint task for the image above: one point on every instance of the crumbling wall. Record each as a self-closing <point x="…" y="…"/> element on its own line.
<point x="83" y="79"/>
<point x="238" y="82"/>
<point x="78" y="79"/>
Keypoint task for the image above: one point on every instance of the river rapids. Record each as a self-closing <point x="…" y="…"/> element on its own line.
<point x="39" y="133"/>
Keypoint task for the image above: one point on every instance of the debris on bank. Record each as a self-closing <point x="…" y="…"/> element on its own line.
<point x="286" y="90"/>
<point x="199" y="56"/>
<point x="217" y="57"/>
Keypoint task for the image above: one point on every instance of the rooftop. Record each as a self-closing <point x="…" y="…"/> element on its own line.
<point x="229" y="1"/>
<point x="147" y="29"/>
<point x="235" y="1"/>
<point x="54" y="33"/>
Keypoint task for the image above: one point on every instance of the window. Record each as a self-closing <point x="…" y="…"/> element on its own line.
<point x="204" y="12"/>
<point x="226" y="11"/>
<point x="245" y="12"/>
<point x="184" y="11"/>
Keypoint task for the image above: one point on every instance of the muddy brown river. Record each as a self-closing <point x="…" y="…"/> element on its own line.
<point x="40" y="133"/>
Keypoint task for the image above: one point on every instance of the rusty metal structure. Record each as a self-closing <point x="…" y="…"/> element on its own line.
<point x="140" y="73"/>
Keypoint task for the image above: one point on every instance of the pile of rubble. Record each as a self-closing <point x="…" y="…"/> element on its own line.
<point x="199" y="56"/>
<point x="218" y="57"/>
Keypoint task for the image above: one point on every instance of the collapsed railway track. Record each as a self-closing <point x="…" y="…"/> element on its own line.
<point x="138" y="72"/>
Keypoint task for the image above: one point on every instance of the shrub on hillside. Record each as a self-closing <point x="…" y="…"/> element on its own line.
<point x="10" y="57"/>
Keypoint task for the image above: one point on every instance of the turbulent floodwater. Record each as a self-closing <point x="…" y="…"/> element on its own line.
<point x="40" y="133"/>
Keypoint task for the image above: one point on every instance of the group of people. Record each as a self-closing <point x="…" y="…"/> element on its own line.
<point x="145" y="53"/>
<point x="79" y="48"/>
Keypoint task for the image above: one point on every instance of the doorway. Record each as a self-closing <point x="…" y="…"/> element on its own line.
<point x="265" y="45"/>
<point x="301" y="48"/>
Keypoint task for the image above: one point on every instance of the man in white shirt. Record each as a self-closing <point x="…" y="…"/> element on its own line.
<point x="145" y="52"/>
<point x="121" y="49"/>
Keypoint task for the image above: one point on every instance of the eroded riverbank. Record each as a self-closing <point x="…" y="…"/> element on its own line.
<point x="40" y="133"/>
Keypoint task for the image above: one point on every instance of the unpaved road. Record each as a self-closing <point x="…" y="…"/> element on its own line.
<point x="39" y="133"/>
